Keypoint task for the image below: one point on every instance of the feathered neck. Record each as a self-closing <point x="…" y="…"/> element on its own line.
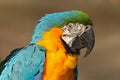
<point x="51" y="39"/>
<point x="58" y="61"/>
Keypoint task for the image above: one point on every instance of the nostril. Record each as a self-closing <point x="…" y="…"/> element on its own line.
<point x="86" y="27"/>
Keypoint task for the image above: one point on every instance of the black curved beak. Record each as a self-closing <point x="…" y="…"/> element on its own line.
<point x="86" y="40"/>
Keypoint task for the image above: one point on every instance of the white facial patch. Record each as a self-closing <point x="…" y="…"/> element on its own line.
<point x="71" y="31"/>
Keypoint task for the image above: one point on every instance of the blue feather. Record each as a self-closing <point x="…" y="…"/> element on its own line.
<point x="76" y="73"/>
<point x="48" y="21"/>
<point x="38" y="76"/>
<point x="24" y="64"/>
<point x="58" y="20"/>
<point x="27" y="63"/>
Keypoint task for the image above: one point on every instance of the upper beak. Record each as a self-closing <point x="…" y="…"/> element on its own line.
<point x="86" y="40"/>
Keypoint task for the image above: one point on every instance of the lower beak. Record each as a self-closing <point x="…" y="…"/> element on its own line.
<point x="86" y="40"/>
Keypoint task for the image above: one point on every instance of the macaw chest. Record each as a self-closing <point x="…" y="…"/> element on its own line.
<point x="59" y="66"/>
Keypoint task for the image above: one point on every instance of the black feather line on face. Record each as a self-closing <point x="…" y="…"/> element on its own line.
<point x="68" y="49"/>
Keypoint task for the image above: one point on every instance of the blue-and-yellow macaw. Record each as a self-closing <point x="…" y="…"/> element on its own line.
<point x="53" y="52"/>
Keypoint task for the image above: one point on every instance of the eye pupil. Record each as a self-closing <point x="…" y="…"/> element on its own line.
<point x="70" y="26"/>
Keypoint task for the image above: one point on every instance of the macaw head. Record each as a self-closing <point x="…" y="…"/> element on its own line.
<point x="76" y="26"/>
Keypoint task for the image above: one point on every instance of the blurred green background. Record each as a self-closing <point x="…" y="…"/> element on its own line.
<point x="18" y="18"/>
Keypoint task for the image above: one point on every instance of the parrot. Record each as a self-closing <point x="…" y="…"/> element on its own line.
<point x="53" y="51"/>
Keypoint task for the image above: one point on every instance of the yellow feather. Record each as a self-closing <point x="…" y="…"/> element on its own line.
<point x="58" y="64"/>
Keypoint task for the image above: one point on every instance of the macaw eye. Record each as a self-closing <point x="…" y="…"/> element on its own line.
<point x="70" y="26"/>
